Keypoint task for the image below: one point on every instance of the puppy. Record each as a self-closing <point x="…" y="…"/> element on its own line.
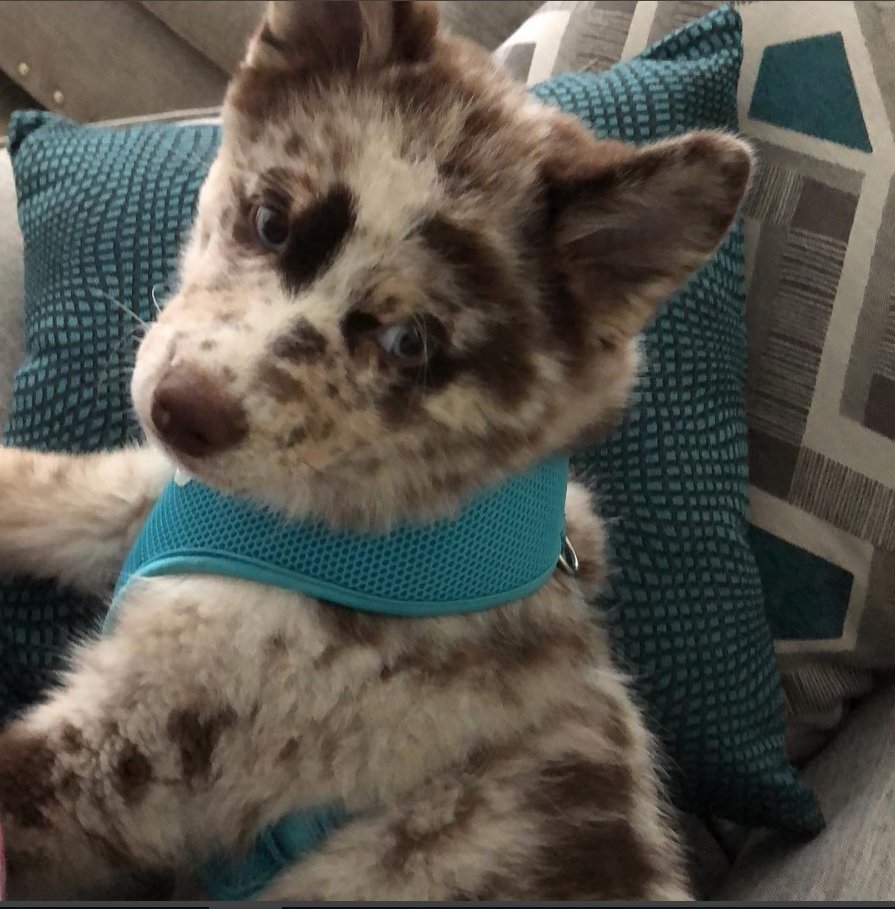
<point x="407" y="282"/>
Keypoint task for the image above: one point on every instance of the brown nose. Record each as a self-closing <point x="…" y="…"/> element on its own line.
<point x="195" y="416"/>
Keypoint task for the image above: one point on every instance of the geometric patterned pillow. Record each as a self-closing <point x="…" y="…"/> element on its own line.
<point x="817" y="99"/>
<point x="685" y="602"/>
<point x="821" y="228"/>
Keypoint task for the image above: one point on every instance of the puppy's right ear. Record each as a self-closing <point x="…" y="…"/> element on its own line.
<point x="316" y="37"/>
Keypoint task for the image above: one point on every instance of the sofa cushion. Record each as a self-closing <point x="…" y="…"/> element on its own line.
<point x="218" y="29"/>
<point x="852" y="859"/>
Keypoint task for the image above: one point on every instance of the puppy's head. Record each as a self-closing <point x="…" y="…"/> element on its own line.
<point x="407" y="278"/>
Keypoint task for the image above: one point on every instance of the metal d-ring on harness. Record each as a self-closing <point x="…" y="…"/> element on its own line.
<point x="568" y="558"/>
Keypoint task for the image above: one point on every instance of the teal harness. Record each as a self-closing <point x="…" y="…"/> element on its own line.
<point x="503" y="545"/>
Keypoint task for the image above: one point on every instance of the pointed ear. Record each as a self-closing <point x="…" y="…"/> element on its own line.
<point x="320" y="36"/>
<point x="630" y="225"/>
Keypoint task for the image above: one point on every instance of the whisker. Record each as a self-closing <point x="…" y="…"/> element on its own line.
<point x="155" y="302"/>
<point x="113" y="357"/>
<point x="114" y="368"/>
<point x="110" y="417"/>
<point x="119" y="304"/>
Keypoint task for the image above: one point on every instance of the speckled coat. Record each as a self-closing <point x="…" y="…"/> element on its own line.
<point x="406" y="279"/>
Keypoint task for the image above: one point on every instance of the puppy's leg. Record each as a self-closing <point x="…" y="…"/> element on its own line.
<point x="73" y="517"/>
<point x="469" y="845"/>
<point x="143" y="761"/>
<point x="173" y="738"/>
<point x="562" y="816"/>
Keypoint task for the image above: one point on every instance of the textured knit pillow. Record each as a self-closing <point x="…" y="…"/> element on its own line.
<point x="102" y="212"/>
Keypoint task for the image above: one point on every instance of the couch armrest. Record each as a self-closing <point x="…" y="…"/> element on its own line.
<point x="854" y="778"/>
<point x="97" y="59"/>
<point x="11" y="289"/>
<point x="219" y="29"/>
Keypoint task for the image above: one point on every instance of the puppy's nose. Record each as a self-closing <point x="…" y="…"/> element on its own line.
<point x="195" y="416"/>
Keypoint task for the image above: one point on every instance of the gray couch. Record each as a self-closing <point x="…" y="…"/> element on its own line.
<point x="198" y="42"/>
<point x="102" y="59"/>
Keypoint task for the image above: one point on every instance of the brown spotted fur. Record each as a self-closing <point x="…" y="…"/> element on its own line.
<point x="493" y="756"/>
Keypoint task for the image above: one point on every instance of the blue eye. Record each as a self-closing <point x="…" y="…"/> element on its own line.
<point x="271" y="227"/>
<point x="407" y="343"/>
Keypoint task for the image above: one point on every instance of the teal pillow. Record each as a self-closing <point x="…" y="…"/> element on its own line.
<point x="103" y="211"/>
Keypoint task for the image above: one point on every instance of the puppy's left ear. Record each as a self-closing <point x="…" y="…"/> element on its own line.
<point x="312" y="37"/>
<point x="629" y="225"/>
